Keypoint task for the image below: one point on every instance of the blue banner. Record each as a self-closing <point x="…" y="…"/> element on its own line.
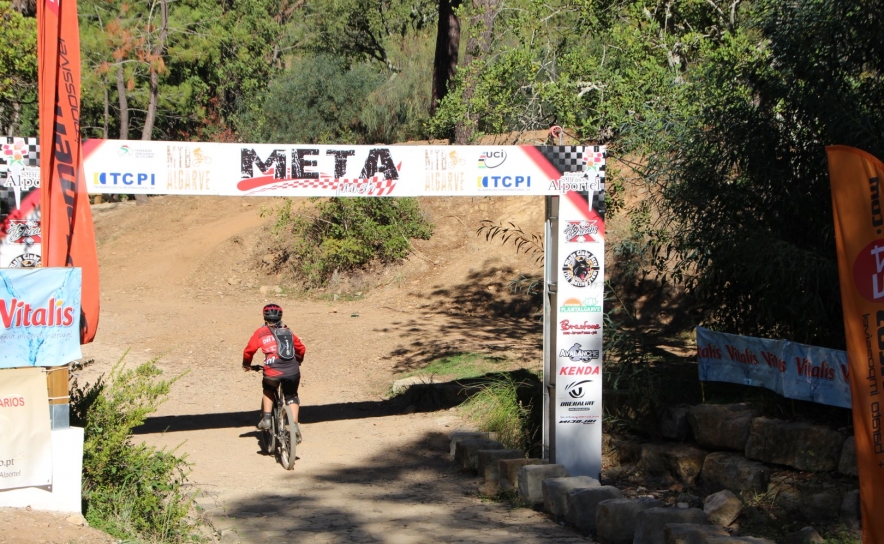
<point x="793" y="370"/>
<point x="39" y="316"/>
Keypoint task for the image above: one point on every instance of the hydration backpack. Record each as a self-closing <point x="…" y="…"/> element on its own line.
<point x="285" y="344"/>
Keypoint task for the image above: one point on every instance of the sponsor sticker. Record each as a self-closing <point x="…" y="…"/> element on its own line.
<point x="23" y="231"/>
<point x="580" y="231"/>
<point x="585" y="327"/>
<point x="492" y="159"/>
<point x="578" y="354"/>
<point x="25" y="260"/>
<point x="581" y="268"/>
<point x="588" y="304"/>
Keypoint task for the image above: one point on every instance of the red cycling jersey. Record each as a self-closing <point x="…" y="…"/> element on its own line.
<point x="274" y="367"/>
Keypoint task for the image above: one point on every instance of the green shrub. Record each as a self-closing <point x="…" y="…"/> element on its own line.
<point x="129" y="490"/>
<point x="498" y="408"/>
<point x="345" y="234"/>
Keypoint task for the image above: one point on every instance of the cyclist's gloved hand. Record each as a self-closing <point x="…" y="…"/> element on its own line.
<point x="246" y="368"/>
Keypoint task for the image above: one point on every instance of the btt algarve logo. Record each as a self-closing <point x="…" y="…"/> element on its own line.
<point x="581" y="268"/>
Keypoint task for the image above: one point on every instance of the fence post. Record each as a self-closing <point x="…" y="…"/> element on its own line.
<point x="59" y="396"/>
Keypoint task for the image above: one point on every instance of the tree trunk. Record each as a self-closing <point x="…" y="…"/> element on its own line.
<point x="156" y="55"/>
<point x="124" y="103"/>
<point x="447" y="45"/>
<point x="478" y="45"/>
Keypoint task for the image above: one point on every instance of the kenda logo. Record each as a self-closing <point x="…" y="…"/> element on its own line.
<point x="124" y="178"/>
<point x="17" y="313"/>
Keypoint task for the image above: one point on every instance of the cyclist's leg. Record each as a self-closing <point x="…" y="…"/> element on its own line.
<point x="290" y="390"/>
<point x="269" y="386"/>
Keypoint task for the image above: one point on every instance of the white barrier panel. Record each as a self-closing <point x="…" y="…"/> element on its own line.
<point x="25" y="445"/>
<point x="579" y="334"/>
<point x="198" y="168"/>
<point x="793" y="370"/>
<point x="65" y="493"/>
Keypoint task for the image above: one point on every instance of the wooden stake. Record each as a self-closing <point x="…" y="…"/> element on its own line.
<point x="57" y="382"/>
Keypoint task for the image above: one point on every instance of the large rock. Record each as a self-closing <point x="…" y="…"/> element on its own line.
<point x="401" y="386"/>
<point x="850" y="509"/>
<point x="531" y="481"/>
<point x="508" y="472"/>
<point x="799" y="445"/>
<point x="457" y="436"/>
<point x="679" y="461"/>
<point x="738" y="540"/>
<point x="806" y="535"/>
<point x="488" y="464"/>
<point x="466" y="452"/>
<point x="555" y="493"/>
<point x="691" y="533"/>
<point x="674" y="423"/>
<point x="583" y="504"/>
<point x="847" y="462"/>
<point x="813" y="497"/>
<point x="721" y="426"/>
<point x="722" y="508"/>
<point x="616" y="518"/>
<point x="723" y="470"/>
<point x="650" y="525"/>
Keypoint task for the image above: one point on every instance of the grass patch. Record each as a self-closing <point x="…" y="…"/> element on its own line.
<point x="461" y="366"/>
<point x="506" y="405"/>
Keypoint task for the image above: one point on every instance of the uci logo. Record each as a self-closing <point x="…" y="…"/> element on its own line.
<point x="492" y="159"/>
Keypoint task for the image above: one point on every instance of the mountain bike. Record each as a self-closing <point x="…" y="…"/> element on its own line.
<point x="284" y="433"/>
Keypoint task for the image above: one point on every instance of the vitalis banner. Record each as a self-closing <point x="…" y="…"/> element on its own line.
<point x="134" y="166"/>
<point x="579" y="333"/>
<point x="796" y="371"/>
<point x="39" y="316"/>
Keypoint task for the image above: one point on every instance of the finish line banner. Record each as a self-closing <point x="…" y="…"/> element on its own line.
<point x="793" y="370"/>
<point x="301" y="170"/>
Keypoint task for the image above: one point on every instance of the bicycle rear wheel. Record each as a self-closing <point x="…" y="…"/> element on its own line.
<point x="288" y="431"/>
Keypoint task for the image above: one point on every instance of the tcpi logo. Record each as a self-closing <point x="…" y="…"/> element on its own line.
<point x="124" y="178"/>
<point x="492" y="159"/>
<point x="18" y="313"/>
<point x="505" y="183"/>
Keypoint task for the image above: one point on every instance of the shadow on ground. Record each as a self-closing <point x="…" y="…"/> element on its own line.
<point x="407" y="494"/>
<point x="481" y="315"/>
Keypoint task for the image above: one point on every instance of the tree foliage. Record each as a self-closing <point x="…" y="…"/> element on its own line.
<point x="18" y="72"/>
<point x="746" y="216"/>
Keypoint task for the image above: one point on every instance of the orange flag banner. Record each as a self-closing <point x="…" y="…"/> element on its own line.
<point x="68" y="234"/>
<point x="856" y="180"/>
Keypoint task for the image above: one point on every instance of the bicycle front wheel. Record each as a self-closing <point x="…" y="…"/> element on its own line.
<point x="288" y="431"/>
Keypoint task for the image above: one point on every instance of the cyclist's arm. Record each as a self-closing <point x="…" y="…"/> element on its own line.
<point x="251" y="348"/>
<point x="299" y="348"/>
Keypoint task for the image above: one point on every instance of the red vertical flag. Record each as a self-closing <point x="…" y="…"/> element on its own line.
<point x="856" y="180"/>
<point x="68" y="235"/>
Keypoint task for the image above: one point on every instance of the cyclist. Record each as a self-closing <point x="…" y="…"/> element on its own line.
<point x="283" y="355"/>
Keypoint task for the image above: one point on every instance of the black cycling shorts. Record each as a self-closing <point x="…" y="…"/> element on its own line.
<point x="289" y="387"/>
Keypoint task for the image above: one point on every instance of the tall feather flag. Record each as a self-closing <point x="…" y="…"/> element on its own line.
<point x="68" y="234"/>
<point x="856" y="178"/>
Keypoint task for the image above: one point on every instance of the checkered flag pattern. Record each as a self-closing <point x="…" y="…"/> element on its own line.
<point x="564" y="158"/>
<point x="342" y="187"/>
<point x="30" y="149"/>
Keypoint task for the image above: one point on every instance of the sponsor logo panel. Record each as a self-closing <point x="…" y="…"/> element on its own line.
<point x="581" y="268"/>
<point x="588" y="304"/>
<point x="585" y="327"/>
<point x="492" y="158"/>
<point x="580" y="231"/>
<point x="25" y="260"/>
<point x="24" y="231"/>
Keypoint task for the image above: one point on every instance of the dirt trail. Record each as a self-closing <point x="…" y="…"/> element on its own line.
<point x="177" y="279"/>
